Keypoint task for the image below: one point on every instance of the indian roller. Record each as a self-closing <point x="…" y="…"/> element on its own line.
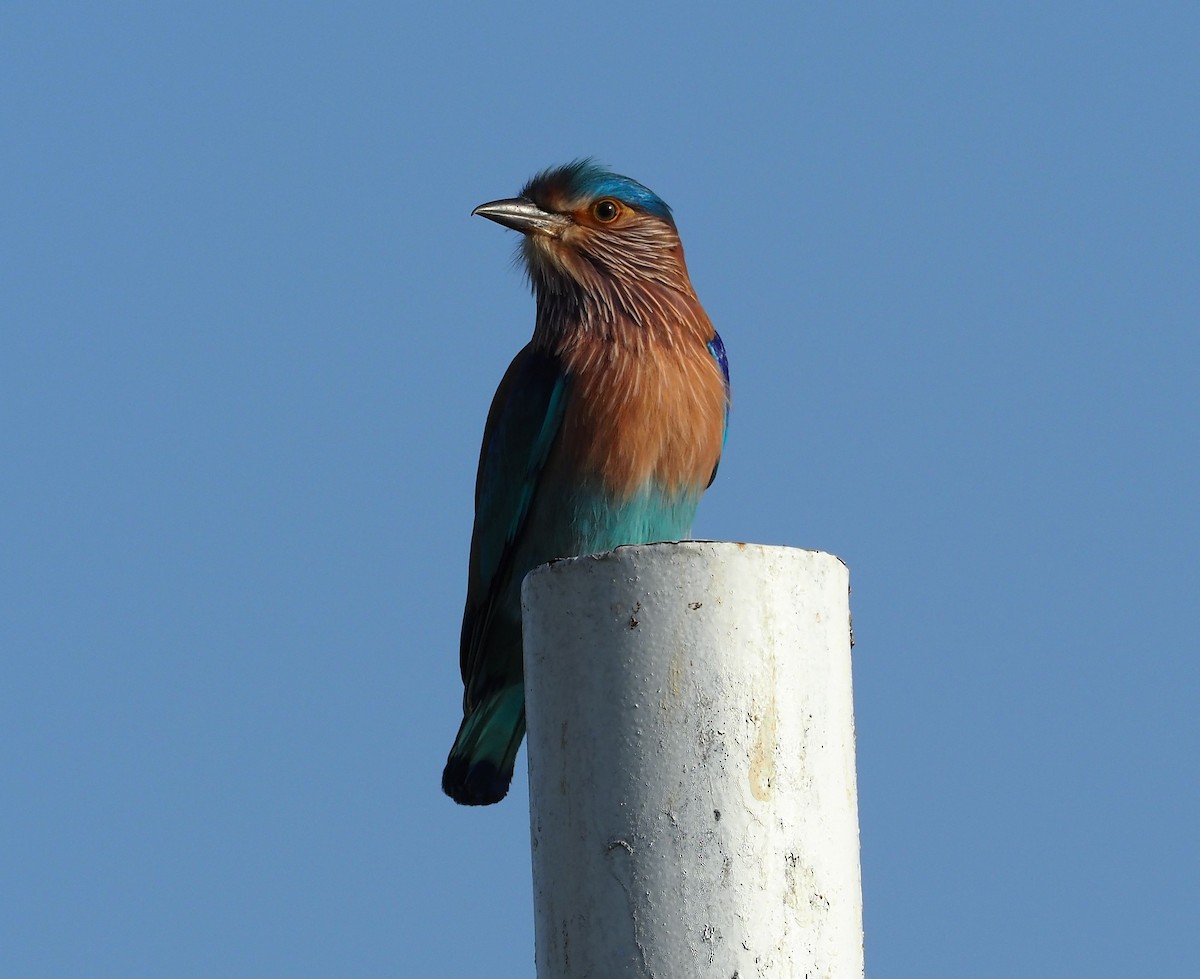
<point x="605" y="430"/>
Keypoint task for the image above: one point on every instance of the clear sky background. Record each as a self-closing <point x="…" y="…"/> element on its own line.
<point x="249" y="332"/>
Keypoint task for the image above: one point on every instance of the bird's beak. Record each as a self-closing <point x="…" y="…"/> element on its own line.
<point x="521" y="214"/>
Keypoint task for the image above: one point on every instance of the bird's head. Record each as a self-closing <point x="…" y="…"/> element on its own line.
<point x="588" y="230"/>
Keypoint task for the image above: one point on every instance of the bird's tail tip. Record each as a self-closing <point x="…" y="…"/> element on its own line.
<point x="480" y="767"/>
<point x="479" y="783"/>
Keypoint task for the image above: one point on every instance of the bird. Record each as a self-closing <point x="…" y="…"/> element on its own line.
<point x="605" y="430"/>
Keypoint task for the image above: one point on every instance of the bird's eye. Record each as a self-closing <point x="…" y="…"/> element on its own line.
<point x="605" y="211"/>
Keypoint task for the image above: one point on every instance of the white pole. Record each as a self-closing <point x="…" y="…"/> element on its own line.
<point x="691" y="764"/>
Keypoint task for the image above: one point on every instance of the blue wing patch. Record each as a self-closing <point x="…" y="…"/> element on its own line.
<point x="716" y="347"/>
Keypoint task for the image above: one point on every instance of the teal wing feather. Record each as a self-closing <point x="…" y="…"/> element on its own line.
<point x="522" y="426"/>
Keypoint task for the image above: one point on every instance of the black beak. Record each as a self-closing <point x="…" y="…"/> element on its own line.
<point x="521" y="214"/>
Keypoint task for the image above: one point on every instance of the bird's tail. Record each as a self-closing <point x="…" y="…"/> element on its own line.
<point x="480" y="766"/>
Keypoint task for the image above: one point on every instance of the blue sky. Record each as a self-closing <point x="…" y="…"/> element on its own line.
<point x="249" y="336"/>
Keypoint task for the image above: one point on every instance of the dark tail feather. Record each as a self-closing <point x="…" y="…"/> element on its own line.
<point x="480" y="766"/>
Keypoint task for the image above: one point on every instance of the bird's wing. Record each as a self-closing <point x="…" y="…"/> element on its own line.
<point x="716" y="347"/>
<point x="522" y="425"/>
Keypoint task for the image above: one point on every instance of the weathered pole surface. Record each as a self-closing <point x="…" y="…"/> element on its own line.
<point x="693" y="804"/>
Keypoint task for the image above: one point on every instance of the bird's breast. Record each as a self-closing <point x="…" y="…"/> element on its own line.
<point x="644" y="416"/>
